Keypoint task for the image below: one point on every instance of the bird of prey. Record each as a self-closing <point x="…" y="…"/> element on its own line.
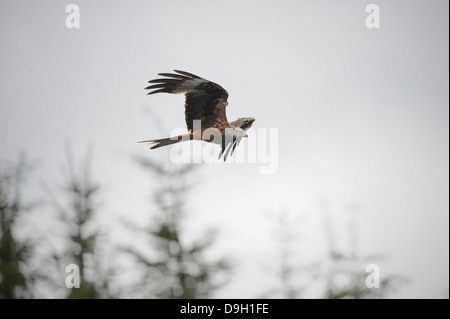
<point x="205" y="101"/>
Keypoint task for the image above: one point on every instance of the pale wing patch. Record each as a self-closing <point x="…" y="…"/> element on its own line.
<point x="222" y="103"/>
<point x="189" y="85"/>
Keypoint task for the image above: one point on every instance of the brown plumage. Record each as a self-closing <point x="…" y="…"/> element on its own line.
<point x="205" y="101"/>
<point x="244" y="123"/>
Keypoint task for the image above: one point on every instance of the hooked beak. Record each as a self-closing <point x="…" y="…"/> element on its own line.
<point x="244" y="134"/>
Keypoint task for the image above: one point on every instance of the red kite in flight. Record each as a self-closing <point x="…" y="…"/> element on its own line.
<point x="205" y="101"/>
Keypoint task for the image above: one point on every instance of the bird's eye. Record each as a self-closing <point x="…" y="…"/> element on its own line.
<point x="243" y="119"/>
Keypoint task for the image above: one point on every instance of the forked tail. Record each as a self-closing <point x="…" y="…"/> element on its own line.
<point x="166" y="141"/>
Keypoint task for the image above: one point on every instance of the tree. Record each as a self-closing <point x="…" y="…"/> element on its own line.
<point x="14" y="254"/>
<point x="285" y="229"/>
<point x="177" y="269"/>
<point x="346" y="270"/>
<point x="83" y="239"/>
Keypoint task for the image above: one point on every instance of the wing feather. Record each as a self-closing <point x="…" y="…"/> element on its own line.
<point x="171" y="75"/>
<point x="157" y="91"/>
<point x="188" y="74"/>
<point x="205" y="100"/>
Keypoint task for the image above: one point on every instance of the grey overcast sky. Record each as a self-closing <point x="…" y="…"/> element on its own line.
<point x="362" y="117"/>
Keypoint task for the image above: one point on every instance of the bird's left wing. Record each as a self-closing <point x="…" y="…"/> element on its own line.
<point x="205" y="100"/>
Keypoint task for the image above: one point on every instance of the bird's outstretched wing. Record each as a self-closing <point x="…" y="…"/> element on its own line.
<point x="205" y="100"/>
